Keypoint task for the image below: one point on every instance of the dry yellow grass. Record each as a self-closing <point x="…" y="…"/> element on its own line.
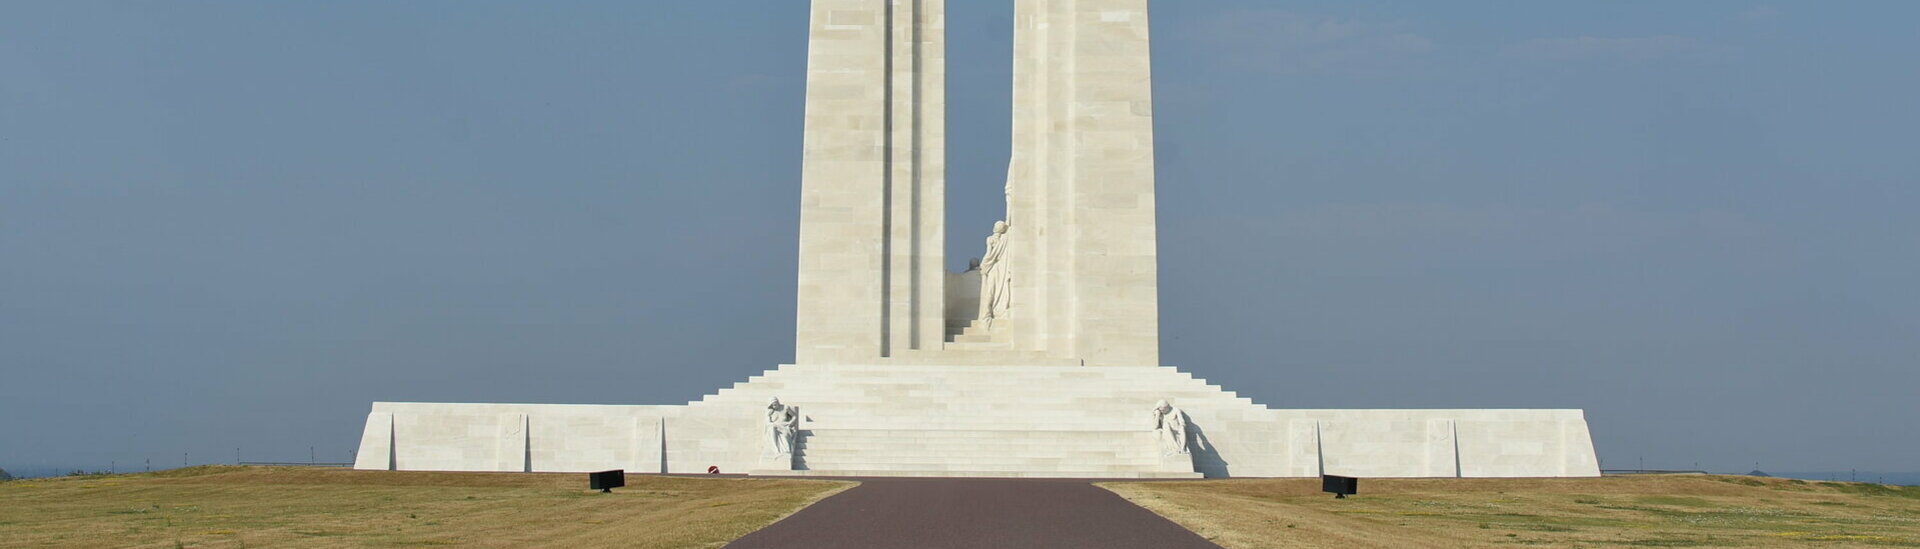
<point x="1640" y="511"/>
<point x="297" y="507"/>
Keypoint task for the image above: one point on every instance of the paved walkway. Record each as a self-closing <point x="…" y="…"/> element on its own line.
<point x="973" y="513"/>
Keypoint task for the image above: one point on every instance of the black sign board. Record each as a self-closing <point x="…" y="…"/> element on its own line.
<point x="1340" y="487"/>
<point x="606" y="481"/>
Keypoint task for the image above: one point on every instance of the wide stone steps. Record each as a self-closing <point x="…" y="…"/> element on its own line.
<point x="1088" y="387"/>
<point x="1006" y="422"/>
<point x="976" y="330"/>
<point x="976" y="345"/>
<point x="998" y="388"/>
<point x="948" y="465"/>
<point x="937" y="402"/>
<point x="958" y="399"/>
<point x="1108" y="437"/>
<point x="1081" y="460"/>
<point x="1080" y="453"/>
<point x="856" y="473"/>
<point x="1102" y="457"/>
<point x="1035" y="421"/>
<point x="976" y="374"/>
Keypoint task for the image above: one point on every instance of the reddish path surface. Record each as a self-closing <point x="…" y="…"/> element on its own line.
<point x="973" y="513"/>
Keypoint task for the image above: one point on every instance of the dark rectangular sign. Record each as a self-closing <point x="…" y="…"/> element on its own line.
<point x="1342" y="486"/>
<point x="606" y="481"/>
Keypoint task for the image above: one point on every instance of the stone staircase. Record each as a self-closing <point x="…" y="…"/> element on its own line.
<point x="942" y="452"/>
<point x="979" y="421"/>
<point x="975" y="343"/>
<point x="976" y="336"/>
<point x="942" y="419"/>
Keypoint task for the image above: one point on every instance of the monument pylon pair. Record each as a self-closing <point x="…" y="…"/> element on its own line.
<point x="1079" y="263"/>
<point x="1043" y="363"/>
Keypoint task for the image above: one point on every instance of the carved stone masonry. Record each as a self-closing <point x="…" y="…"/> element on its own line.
<point x="783" y="426"/>
<point x="1170" y="426"/>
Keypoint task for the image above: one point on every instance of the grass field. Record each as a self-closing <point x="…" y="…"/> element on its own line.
<point x="302" y="507"/>
<point x="1637" y="511"/>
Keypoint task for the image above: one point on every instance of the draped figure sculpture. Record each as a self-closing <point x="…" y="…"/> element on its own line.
<point x="783" y="423"/>
<point x="1170" y="424"/>
<point x="996" y="287"/>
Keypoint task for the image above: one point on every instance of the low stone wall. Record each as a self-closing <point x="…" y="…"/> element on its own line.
<point x="1233" y="437"/>
<point x="1394" y="443"/>
<point x="551" y="438"/>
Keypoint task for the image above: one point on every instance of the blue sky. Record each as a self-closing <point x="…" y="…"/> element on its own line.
<point x="234" y="224"/>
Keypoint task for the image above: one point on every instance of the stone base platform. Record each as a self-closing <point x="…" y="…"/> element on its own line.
<point x="972" y="474"/>
<point x="978" y="421"/>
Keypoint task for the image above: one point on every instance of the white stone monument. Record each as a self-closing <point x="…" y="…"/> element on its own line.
<point x="1029" y="366"/>
<point x="1170" y="427"/>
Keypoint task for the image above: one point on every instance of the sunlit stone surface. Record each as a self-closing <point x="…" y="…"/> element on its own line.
<point x="1039" y="368"/>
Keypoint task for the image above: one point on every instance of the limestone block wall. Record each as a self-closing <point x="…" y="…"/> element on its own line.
<point x="545" y="438"/>
<point x="1082" y="182"/>
<point x="963" y="298"/>
<point x="1234" y="436"/>
<point x="873" y="181"/>
<point x="1393" y="443"/>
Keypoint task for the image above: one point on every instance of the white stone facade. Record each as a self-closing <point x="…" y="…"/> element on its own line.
<point x="873" y="182"/>
<point x="897" y="373"/>
<point x="1081" y="184"/>
<point x="1034" y="421"/>
<point x="1080" y="190"/>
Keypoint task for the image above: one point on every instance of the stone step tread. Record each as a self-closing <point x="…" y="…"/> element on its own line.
<point x="1037" y="368"/>
<point x="1084" y="429"/>
<point x="984" y="459"/>
<point x="982" y="437"/>
<point x="978" y="379"/>
<point x="891" y="432"/>
<point x="953" y="465"/>
<point x="1021" y="457"/>
<point x="1083" y="390"/>
<point x="982" y="465"/>
<point x="1064" y="430"/>
<point x="1062" y="441"/>
<point x="981" y="403"/>
<point x="1036" y="406"/>
<point x="936" y="466"/>
<point x="977" y="346"/>
<point x="1139" y="448"/>
<point x="1009" y="391"/>
<point x="1071" y="384"/>
<point x="974" y="420"/>
<point x="978" y="436"/>
<point x="976" y="474"/>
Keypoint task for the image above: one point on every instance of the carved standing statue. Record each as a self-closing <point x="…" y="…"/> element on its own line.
<point x="783" y="424"/>
<point x="996" y="287"/>
<point x="1170" y="424"/>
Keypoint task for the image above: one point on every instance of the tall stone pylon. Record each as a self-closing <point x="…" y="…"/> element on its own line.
<point x="1081" y="186"/>
<point x="873" y="184"/>
<point x="1082" y="249"/>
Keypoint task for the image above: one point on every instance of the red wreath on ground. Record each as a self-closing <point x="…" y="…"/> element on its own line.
<point x="713" y="469"/>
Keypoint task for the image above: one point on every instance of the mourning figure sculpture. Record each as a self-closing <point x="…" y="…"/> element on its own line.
<point x="995" y="278"/>
<point x="783" y="424"/>
<point x="1170" y="427"/>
